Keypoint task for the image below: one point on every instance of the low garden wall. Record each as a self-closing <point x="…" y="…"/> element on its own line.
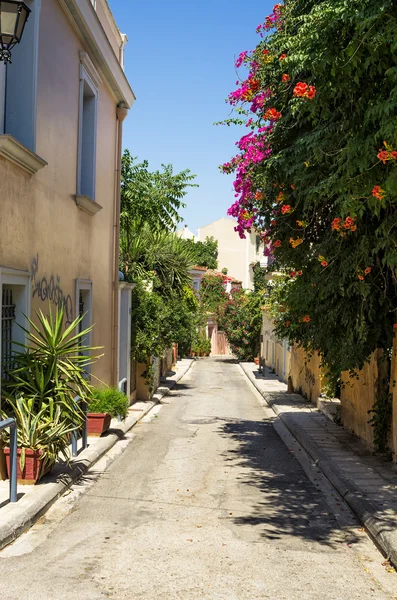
<point x="305" y="373"/>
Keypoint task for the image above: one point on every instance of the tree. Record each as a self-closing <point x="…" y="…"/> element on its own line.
<point x="213" y="292"/>
<point x="241" y="319"/>
<point x="205" y="253"/>
<point x="317" y="172"/>
<point x="149" y="252"/>
<point x="164" y="307"/>
<point x="153" y="198"/>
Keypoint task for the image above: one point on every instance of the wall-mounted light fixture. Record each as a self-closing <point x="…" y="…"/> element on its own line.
<point x="13" y="17"/>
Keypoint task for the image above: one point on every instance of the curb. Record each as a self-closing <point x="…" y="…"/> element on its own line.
<point x="366" y="512"/>
<point x="19" y="517"/>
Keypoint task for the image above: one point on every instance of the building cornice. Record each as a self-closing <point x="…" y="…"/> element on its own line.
<point x="87" y="25"/>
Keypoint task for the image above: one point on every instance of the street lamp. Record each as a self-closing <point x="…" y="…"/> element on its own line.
<point x="13" y="17"/>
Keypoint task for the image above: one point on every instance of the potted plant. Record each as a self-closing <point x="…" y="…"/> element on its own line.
<point x="104" y="405"/>
<point x="40" y="390"/>
<point x="256" y="360"/>
<point x="41" y="437"/>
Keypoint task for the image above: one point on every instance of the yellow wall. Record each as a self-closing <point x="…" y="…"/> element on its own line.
<point x="41" y="229"/>
<point x="357" y="398"/>
<point x="306" y="374"/>
<point x="276" y="353"/>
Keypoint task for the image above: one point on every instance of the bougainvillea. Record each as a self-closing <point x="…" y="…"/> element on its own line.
<point x="317" y="174"/>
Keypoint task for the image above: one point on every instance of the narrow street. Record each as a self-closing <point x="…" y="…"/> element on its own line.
<point x="206" y="501"/>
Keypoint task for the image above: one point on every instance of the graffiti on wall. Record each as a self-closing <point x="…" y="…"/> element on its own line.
<point x="48" y="289"/>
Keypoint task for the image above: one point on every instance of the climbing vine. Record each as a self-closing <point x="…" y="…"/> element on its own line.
<point x="316" y="171"/>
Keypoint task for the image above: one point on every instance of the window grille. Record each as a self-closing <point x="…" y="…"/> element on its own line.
<point x="7" y="319"/>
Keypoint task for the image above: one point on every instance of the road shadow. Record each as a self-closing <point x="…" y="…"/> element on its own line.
<point x="227" y="359"/>
<point x="283" y="502"/>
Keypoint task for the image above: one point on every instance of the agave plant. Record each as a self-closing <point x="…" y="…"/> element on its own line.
<point x="46" y="431"/>
<point x="51" y="368"/>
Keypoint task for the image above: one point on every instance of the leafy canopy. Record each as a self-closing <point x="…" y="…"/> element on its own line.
<point x="317" y="170"/>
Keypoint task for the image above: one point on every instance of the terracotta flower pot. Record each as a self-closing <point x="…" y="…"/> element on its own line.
<point x="33" y="468"/>
<point x="256" y="361"/>
<point x="98" y="423"/>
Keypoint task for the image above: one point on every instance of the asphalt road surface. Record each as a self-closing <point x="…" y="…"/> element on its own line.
<point x="205" y="501"/>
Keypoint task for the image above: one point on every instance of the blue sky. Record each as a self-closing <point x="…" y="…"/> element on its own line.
<point x="180" y="62"/>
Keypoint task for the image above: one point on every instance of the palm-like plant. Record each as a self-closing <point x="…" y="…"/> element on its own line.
<point x="46" y="431"/>
<point x="48" y="373"/>
<point x="147" y="250"/>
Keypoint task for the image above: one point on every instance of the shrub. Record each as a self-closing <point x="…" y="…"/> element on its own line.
<point x="109" y="400"/>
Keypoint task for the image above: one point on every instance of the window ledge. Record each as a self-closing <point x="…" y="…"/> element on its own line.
<point x="21" y="156"/>
<point x="89" y="206"/>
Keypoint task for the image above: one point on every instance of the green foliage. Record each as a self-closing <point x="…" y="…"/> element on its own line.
<point x="202" y="345"/>
<point x="45" y="430"/>
<point x="158" y="322"/>
<point x="241" y="319"/>
<point x="146" y="253"/>
<point x="260" y="282"/>
<point x="49" y="372"/>
<point x="324" y="163"/>
<point x="151" y="198"/>
<point x="205" y="253"/>
<point x="381" y="422"/>
<point x="51" y="366"/>
<point x="212" y="291"/>
<point x="164" y="308"/>
<point x="109" y="400"/>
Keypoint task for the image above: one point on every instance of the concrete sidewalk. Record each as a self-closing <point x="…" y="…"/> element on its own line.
<point x="34" y="501"/>
<point x="368" y="485"/>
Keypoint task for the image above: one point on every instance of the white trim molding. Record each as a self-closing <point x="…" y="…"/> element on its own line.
<point x="87" y="205"/>
<point x="90" y="70"/>
<point x="87" y="25"/>
<point x="19" y="155"/>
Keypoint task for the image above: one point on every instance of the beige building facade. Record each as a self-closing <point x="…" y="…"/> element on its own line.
<point x="64" y="99"/>
<point x="237" y="255"/>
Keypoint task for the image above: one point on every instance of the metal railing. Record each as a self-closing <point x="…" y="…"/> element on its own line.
<point x="75" y="434"/>
<point x="10" y="423"/>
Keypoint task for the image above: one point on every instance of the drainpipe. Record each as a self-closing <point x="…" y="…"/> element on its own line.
<point x="122" y="112"/>
<point x="3" y="73"/>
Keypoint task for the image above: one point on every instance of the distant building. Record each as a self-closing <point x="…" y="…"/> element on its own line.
<point x="239" y="256"/>
<point x="186" y="234"/>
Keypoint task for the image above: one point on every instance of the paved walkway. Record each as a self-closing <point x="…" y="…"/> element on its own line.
<point x="368" y="485"/>
<point x="206" y="501"/>
<point x="34" y="501"/>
